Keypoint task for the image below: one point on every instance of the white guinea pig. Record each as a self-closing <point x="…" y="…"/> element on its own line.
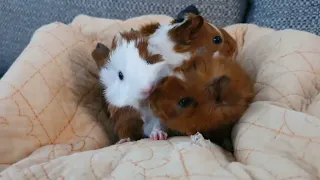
<point x="129" y="75"/>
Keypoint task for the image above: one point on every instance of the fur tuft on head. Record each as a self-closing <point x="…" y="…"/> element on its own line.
<point x="128" y="76"/>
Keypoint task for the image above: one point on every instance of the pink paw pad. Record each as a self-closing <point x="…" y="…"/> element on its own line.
<point x="158" y="135"/>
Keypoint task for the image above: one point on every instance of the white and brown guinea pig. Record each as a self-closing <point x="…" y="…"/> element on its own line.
<point x="187" y="34"/>
<point x="129" y="73"/>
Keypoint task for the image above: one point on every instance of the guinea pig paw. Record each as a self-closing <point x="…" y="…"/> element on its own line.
<point x="157" y="134"/>
<point x="124" y="140"/>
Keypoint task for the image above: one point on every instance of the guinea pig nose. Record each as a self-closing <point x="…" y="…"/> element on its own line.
<point x="148" y="91"/>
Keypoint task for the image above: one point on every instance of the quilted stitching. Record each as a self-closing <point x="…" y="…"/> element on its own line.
<point x="42" y="102"/>
<point x="287" y="72"/>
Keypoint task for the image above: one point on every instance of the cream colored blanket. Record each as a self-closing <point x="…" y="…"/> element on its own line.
<point x="50" y="104"/>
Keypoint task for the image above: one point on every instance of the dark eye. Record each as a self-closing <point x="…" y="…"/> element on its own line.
<point x="185" y="102"/>
<point x="194" y="65"/>
<point x="120" y="75"/>
<point x="148" y="62"/>
<point x="217" y="40"/>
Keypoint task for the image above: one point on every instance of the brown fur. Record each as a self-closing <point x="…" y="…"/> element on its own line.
<point x="128" y="122"/>
<point x="100" y="54"/>
<point x="196" y="33"/>
<point x="190" y="36"/>
<point x="149" y="29"/>
<point x="141" y="44"/>
<point x="229" y="47"/>
<point x="221" y="90"/>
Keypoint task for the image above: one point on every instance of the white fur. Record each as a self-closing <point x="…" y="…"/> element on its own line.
<point x="179" y="75"/>
<point x="150" y="121"/>
<point x="216" y="54"/>
<point x="160" y="43"/>
<point x="138" y="75"/>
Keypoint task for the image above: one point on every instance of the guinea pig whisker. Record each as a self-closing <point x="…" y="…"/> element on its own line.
<point x="223" y="114"/>
<point x="149" y="106"/>
<point x="210" y="111"/>
<point x="163" y="115"/>
<point x="205" y="65"/>
<point x="208" y="89"/>
<point x="227" y="104"/>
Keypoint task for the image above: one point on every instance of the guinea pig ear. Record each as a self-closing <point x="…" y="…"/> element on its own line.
<point x="183" y="14"/>
<point x="188" y="30"/>
<point x="196" y="24"/>
<point x="219" y="87"/>
<point x="100" y="54"/>
<point x="229" y="48"/>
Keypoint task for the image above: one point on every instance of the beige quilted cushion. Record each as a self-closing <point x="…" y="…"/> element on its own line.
<point x="50" y="104"/>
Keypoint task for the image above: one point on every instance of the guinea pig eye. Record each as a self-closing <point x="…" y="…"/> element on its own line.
<point x="120" y="75"/>
<point x="217" y="40"/>
<point x="185" y="102"/>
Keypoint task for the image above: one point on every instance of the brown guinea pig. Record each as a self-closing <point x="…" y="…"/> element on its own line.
<point x="207" y="97"/>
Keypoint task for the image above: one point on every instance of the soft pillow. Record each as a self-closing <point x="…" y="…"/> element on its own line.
<point x="50" y="103"/>
<point x="293" y="14"/>
<point x="22" y="18"/>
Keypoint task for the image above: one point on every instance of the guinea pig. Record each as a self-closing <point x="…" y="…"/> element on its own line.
<point x="187" y="34"/>
<point x="207" y="97"/>
<point x="128" y="73"/>
<point x="127" y="120"/>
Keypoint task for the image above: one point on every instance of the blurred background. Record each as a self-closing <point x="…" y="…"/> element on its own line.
<point x="20" y="18"/>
